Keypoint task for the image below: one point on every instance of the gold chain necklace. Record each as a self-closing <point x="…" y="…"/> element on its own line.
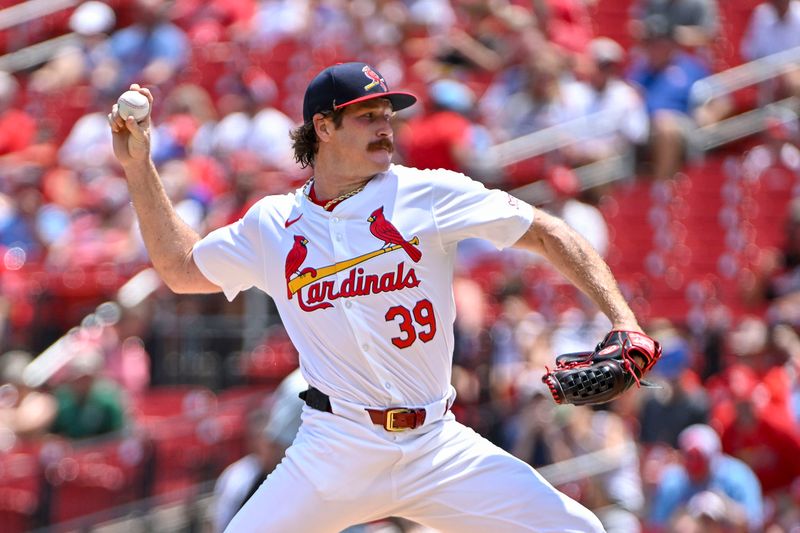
<point x="340" y="198"/>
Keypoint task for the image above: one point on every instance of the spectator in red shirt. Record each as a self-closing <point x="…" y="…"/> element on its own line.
<point x="17" y="128"/>
<point x="567" y="23"/>
<point x="763" y="441"/>
<point x="757" y="368"/>
<point x="445" y="137"/>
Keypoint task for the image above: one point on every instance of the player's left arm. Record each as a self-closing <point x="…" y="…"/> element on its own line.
<point x="575" y="259"/>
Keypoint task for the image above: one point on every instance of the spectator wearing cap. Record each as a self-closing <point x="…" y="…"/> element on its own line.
<point x="25" y="412"/>
<point x="605" y="100"/>
<point x="704" y="467"/>
<point x="695" y="23"/>
<point x="88" y="405"/>
<point x="664" y="75"/>
<point x="91" y="22"/>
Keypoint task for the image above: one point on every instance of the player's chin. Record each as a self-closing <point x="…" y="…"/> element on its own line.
<point x="381" y="159"/>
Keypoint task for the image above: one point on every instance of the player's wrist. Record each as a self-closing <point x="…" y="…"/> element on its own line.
<point x="627" y="326"/>
<point x="136" y="167"/>
<point x="625" y="322"/>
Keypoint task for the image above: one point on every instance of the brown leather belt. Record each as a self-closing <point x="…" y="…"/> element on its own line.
<point x="392" y="419"/>
<point x="397" y="418"/>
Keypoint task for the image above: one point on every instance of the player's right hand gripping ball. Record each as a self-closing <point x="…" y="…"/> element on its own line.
<point x="589" y="378"/>
<point x="133" y="103"/>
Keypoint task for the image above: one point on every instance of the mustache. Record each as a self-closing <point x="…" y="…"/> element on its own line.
<point x="381" y="144"/>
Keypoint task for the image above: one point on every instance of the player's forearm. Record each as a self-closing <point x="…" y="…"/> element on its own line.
<point x="576" y="260"/>
<point x="169" y="240"/>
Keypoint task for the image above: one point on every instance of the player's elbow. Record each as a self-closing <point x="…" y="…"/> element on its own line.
<point x="173" y="280"/>
<point x="178" y="286"/>
<point x="190" y="285"/>
<point x="543" y="233"/>
<point x="183" y="277"/>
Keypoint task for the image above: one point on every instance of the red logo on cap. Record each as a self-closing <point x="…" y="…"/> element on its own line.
<point x="375" y="79"/>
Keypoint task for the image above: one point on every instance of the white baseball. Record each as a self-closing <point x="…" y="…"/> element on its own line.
<point x="133" y="103"/>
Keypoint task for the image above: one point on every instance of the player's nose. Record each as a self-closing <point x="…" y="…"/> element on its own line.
<point x="385" y="129"/>
<point x="385" y="126"/>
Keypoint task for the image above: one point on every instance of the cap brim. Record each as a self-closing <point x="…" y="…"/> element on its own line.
<point x="399" y="100"/>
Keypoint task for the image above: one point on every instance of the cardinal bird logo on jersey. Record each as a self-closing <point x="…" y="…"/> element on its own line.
<point x="295" y="258"/>
<point x="385" y="231"/>
<point x="375" y="79"/>
<point x="316" y="288"/>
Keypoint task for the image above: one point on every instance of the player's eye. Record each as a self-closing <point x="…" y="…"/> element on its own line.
<point x="372" y="116"/>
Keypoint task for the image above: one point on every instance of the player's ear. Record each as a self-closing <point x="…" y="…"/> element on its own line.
<point x="322" y="126"/>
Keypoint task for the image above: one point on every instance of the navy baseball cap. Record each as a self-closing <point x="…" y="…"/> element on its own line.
<point x="349" y="83"/>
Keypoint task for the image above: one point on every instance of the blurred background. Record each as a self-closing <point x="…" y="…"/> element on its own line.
<point x="665" y="131"/>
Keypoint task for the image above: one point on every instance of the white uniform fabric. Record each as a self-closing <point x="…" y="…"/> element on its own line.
<point x="371" y="310"/>
<point x="231" y="488"/>
<point x="444" y="476"/>
<point x="345" y="343"/>
<point x="284" y="414"/>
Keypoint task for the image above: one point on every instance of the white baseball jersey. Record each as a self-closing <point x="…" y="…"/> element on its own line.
<point x="365" y="290"/>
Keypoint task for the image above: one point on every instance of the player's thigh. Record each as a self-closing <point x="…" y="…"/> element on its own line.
<point x="483" y="488"/>
<point x="331" y="477"/>
<point x="287" y="501"/>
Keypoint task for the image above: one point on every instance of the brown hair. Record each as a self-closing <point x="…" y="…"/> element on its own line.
<point x="305" y="142"/>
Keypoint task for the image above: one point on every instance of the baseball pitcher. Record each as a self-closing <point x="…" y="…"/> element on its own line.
<point x="359" y="261"/>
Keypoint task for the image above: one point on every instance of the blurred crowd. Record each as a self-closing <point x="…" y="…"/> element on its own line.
<point x="713" y="448"/>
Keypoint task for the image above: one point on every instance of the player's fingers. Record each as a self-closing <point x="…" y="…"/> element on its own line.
<point x="134" y="128"/>
<point x="143" y="90"/>
<point x="112" y="123"/>
<point x="118" y="120"/>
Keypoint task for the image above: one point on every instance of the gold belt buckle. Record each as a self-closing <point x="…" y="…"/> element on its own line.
<point x="390" y="414"/>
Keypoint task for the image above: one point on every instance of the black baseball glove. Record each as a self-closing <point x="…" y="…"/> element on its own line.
<point x="588" y="378"/>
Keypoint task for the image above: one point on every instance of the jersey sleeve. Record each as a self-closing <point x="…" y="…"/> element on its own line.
<point x="232" y="256"/>
<point x="465" y="208"/>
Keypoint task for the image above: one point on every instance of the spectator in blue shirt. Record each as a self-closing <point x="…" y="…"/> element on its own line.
<point x="665" y="74"/>
<point x="151" y="51"/>
<point x="705" y="468"/>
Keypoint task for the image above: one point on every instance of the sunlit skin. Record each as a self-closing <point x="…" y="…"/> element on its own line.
<point x="349" y="156"/>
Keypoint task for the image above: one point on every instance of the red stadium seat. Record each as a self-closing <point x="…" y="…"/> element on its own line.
<point x="92" y="478"/>
<point x="20" y="486"/>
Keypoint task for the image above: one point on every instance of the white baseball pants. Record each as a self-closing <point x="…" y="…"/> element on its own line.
<point x="340" y="472"/>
